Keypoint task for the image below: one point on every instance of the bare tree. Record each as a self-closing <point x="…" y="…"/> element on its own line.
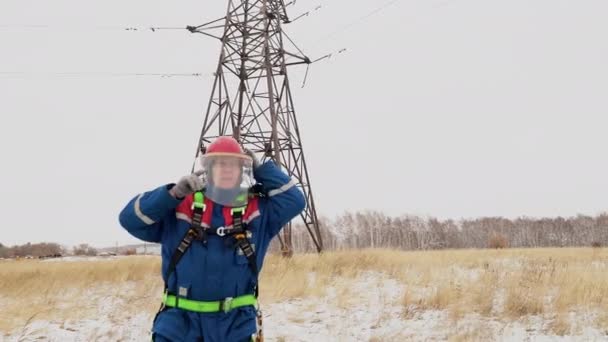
<point x="85" y="249"/>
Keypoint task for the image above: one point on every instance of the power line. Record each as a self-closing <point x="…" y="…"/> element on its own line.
<point x="84" y="74"/>
<point x="359" y="20"/>
<point x="17" y="74"/>
<point x="356" y="21"/>
<point x="89" y="28"/>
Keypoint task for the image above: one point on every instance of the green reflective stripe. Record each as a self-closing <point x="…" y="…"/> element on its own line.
<point x="199" y="200"/>
<point x="200" y="306"/>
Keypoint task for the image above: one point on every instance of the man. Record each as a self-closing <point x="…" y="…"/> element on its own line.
<point x="214" y="232"/>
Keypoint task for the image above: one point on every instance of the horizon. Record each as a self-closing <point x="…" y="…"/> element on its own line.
<point x="119" y="244"/>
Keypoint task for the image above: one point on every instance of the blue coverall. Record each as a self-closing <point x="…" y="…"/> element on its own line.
<point x="214" y="271"/>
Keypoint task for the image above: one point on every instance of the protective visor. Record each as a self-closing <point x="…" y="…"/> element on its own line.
<point x="229" y="178"/>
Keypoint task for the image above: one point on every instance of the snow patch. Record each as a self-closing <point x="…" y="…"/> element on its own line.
<point x="369" y="308"/>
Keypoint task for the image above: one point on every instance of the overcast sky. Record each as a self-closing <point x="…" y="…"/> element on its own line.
<point x="458" y="108"/>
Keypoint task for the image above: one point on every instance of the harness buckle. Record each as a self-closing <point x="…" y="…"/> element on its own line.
<point x="221" y="231"/>
<point x="240" y="210"/>
<point x="163" y="304"/>
<point x="196" y="205"/>
<point x="226" y="304"/>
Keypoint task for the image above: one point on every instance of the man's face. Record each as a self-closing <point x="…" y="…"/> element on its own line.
<point x="226" y="172"/>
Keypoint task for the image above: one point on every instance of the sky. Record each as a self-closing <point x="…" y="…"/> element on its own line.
<point x="452" y="109"/>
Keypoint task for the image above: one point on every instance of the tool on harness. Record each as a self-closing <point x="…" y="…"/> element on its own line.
<point x="259" y="336"/>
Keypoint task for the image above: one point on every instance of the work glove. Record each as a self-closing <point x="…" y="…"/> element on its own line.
<point x="255" y="160"/>
<point x="189" y="184"/>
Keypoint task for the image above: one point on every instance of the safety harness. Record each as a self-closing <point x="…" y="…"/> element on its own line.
<point x="234" y="230"/>
<point x="236" y="234"/>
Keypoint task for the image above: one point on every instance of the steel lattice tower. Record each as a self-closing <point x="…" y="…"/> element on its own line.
<point x="251" y="97"/>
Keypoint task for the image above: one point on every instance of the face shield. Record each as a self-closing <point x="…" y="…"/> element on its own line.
<point x="229" y="178"/>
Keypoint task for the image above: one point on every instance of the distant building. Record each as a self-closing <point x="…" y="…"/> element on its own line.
<point x="151" y="249"/>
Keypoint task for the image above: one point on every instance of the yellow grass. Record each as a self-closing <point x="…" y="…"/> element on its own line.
<point x="505" y="284"/>
<point x="476" y="333"/>
<point x="32" y="289"/>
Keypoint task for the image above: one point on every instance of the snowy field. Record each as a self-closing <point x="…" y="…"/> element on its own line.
<point x="384" y="296"/>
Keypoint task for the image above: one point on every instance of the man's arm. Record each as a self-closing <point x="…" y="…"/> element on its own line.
<point x="285" y="201"/>
<point x="142" y="217"/>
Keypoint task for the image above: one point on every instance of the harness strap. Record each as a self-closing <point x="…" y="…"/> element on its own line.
<point x="227" y="231"/>
<point x="242" y="241"/>
<point x="208" y="307"/>
<point x="197" y="231"/>
<point x="179" y="253"/>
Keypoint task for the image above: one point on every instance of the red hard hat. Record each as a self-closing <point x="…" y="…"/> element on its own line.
<point x="225" y="146"/>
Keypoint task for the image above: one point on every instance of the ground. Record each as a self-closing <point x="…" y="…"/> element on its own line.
<point x="366" y="295"/>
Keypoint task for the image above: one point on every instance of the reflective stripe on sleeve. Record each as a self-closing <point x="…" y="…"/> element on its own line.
<point x="145" y="219"/>
<point x="282" y="189"/>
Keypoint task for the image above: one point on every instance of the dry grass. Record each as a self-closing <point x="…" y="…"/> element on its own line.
<point x="506" y="284"/>
<point x="602" y="321"/>
<point x="509" y="283"/>
<point x="526" y="290"/>
<point x="560" y="325"/>
<point x="32" y="289"/>
<point x="475" y="333"/>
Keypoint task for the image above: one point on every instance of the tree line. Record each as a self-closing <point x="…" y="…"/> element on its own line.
<point x="373" y="229"/>
<point x="43" y="250"/>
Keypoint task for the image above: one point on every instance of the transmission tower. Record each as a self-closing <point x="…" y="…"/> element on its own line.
<point x="251" y="97"/>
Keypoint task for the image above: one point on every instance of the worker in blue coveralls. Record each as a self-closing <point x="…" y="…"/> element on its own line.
<point x="214" y="231"/>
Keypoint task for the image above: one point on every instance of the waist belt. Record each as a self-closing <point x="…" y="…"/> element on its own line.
<point x="208" y="307"/>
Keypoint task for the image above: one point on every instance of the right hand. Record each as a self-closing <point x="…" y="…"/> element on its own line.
<point x="255" y="162"/>
<point x="189" y="184"/>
